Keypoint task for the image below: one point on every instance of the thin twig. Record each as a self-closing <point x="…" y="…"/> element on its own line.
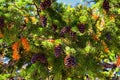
<point x="38" y="9"/>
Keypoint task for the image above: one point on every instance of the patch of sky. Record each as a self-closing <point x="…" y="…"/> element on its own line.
<point x="74" y="3"/>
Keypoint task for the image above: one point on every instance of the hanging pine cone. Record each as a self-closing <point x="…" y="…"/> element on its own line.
<point x="106" y="6"/>
<point x="54" y="27"/>
<point x="70" y="61"/>
<point x="42" y="6"/>
<point x="108" y="36"/>
<point x="38" y="57"/>
<point x="64" y="30"/>
<point x="107" y="65"/>
<point x="1" y="22"/>
<point x="43" y="20"/>
<point x="73" y="35"/>
<point x="81" y="27"/>
<point x="47" y="3"/>
<point x="57" y="50"/>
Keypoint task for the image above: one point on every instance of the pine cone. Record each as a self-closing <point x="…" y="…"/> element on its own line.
<point x="73" y="35"/>
<point x="108" y="36"/>
<point x="107" y="65"/>
<point x="47" y="3"/>
<point x="1" y="22"/>
<point x="64" y="30"/>
<point x="43" y="20"/>
<point x="81" y="28"/>
<point x="54" y="27"/>
<point x="70" y="61"/>
<point x="106" y="5"/>
<point x="58" y="50"/>
<point x="42" y="6"/>
<point x="38" y="57"/>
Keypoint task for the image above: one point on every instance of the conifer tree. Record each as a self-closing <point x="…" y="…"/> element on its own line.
<point x="46" y="40"/>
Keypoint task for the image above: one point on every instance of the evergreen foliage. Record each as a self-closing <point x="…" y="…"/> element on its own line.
<point x="46" y="40"/>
